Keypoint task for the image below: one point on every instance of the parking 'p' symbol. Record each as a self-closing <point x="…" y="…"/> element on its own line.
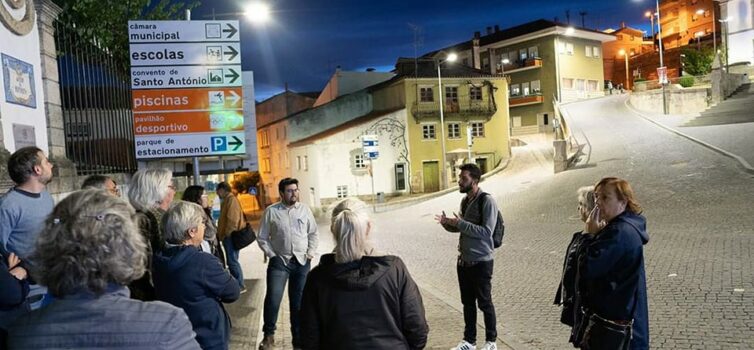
<point x="219" y="144"/>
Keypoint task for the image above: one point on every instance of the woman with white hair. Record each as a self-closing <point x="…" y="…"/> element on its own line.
<point x="194" y="280"/>
<point x="87" y="252"/>
<point x="151" y="192"/>
<point x="358" y="299"/>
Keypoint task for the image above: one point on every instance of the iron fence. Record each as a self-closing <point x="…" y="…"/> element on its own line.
<point x="96" y="99"/>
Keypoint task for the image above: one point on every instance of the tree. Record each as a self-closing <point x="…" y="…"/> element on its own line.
<point x="106" y="21"/>
<point x="697" y="62"/>
<point x="243" y="181"/>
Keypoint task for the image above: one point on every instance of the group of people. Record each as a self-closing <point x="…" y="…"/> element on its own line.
<point x="150" y="272"/>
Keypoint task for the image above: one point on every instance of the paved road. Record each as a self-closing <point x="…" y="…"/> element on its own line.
<point x="698" y="260"/>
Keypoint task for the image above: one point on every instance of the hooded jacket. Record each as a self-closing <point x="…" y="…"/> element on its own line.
<point x="372" y="303"/>
<point x="196" y="282"/>
<point x="611" y="276"/>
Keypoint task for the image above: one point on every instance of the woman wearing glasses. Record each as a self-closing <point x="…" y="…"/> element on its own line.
<point x="194" y="280"/>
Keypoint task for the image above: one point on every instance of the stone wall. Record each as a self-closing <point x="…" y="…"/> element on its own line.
<point x="680" y="100"/>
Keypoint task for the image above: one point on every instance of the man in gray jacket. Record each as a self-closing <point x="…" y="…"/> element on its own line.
<point x="475" y="262"/>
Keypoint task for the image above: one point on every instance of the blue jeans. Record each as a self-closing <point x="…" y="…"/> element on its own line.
<point x="278" y="273"/>
<point x="231" y="255"/>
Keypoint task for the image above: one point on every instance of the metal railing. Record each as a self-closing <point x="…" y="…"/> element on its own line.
<point x="96" y="100"/>
<point x="483" y="108"/>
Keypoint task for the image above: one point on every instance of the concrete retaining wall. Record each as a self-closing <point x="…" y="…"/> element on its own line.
<point x="680" y="101"/>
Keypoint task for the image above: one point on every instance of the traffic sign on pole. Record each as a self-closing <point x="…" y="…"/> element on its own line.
<point x="186" y="79"/>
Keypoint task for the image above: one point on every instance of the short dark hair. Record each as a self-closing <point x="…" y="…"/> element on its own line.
<point x="193" y="194"/>
<point x="473" y="170"/>
<point x="95" y="181"/>
<point x="223" y="186"/>
<point x="21" y="163"/>
<point x="286" y="182"/>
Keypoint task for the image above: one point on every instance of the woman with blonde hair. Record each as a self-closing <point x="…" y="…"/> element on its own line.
<point x="358" y="299"/>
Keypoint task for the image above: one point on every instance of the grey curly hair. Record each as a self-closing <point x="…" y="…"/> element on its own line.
<point x="89" y="240"/>
<point x="149" y="187"/>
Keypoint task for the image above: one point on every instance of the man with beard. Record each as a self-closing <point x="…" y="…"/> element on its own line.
<point x="288" y="237"/>
<point x="476" y="224"/>
<point x="23" y="211"/>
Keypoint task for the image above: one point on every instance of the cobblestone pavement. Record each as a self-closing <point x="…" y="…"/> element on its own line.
<point x="698" y="261"/>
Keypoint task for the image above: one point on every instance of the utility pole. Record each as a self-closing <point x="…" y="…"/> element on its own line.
<point x="583" y="14"/>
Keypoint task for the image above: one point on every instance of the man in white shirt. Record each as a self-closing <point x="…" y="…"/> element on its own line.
<point x="288" y="237"/>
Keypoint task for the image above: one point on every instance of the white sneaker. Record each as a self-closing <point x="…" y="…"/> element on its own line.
<point x="464" y="345"/>
<point x="489" y="346"/>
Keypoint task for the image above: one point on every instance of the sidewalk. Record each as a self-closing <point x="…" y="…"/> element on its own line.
<point x="732" y="140"/>
<point x="444" y="317"/>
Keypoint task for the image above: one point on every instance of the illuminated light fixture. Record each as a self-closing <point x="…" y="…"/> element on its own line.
<point x="257" y="12"/>
<point x="570" y="31"/>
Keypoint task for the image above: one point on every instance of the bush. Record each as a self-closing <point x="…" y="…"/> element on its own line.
<point x="687" y="81"/>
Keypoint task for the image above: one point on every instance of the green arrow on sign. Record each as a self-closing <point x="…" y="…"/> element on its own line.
<point x="231" y="29"/>
<point x="236" y="142"/>
<point x="232" y="76"/>
<point x="232" y="53"/>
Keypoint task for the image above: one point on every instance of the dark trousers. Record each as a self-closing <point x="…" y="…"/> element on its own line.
<point x="278" y="273"/>
<point x="475" y="282"/>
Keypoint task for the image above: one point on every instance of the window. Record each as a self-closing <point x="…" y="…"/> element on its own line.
<point x="287" y="161"/>
<point x="451" y="94"/>
<point x="426" y="95"/>
<point x="263" y="138"/>
<point x="523" y="55"/>
<point x="533" y="52"/>
<point x="298" y="162"/>
<point x="465" y="61"/>
<point x="477" y="129"/>
<point x="342" y="191"/>
<point x="515" y="89"/>
<point x="525" y="88"/>
<point x="358" y="162"/>
<point x="485" y="63"/>
<point x="266" y="165"/>
<point x="592" y="85"/>
<point x="620" y="37"/>
<point x="588" y="51"/>
<point x="569" y="49"/>
<point x="535" y="89"/>
<point x="580" y="84"/>
<point x="567" y="83"/>
<point x="306" y="163"/>
<point x="596" y="52"/>
<point x="277" y="134"/>
<point x="475" y="93"/>
<point x="428" y="131"/>
<point x="454" y="131"/>
<point x="512" y="56"/>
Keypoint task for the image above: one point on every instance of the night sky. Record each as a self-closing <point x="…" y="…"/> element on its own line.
<point x="307" y="39"/>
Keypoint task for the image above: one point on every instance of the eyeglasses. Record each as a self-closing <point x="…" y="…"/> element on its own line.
<point x="172" y="187"/>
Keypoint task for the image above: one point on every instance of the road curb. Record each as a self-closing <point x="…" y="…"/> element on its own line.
<point x="741" y="161"/>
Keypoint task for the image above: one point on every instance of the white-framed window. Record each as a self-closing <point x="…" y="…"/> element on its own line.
<point x="534" y="51"/>
<point x="569" y="49"/>
<point x="451" y="94"/>
<point x="477" y="129"/>
<point x="425" y="94"/>
<point x="525" y="88"/>
<point x="580" y="84"/>
<point x="342" y="191"/>
<point x="567" y="83"/>
<point x="523" y="55"/>
<point x="596" y="51"/>
<point x="475" y="93"/>
<point x="306" y="163"/>
<point x="454" y="131"/>
<point x="588" y="51"/>
<point x="561" y="47"/>
<point x="428" y="132"/>
<point x="298" y="162"/>
<point x="515" y="89"/>
<point x="359" y="162"/>
<point x="593" y="85"/>
<point x="535" y="87"/>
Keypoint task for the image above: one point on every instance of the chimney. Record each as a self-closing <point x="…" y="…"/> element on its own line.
<point x="623" y="24"/>
<point x="475" y="60"/>
<point x="489" y="30"/>
<point x="477" y="35"/>
<point x="497" y="28"/>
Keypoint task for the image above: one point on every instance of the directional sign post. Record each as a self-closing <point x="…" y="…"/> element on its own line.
<point x="186" y="82"/>
<point x="370" y="148"/>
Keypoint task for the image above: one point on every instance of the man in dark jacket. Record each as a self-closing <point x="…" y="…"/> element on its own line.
<point x="475" y="262"/>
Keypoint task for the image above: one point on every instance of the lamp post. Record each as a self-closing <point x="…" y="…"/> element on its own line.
<point x="662" y="63"/>
<point x="651" y="17"/>
<point x="726" y="40"/>
<point x="449" y="57"/>
<point x="625" y="56"/>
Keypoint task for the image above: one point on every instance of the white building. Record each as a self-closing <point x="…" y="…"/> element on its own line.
<point x="740" y="29"/>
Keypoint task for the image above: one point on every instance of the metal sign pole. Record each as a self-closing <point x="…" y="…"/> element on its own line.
<point x="371" y="174"/>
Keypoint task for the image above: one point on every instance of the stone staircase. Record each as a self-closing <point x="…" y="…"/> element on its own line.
<point x="738" y="108"/>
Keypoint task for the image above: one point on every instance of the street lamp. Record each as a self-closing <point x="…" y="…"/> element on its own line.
<point x="257" y="12"/>
<point x="651" y="17"/>
<point x="502" y="65"/>
<point x="663" y="80"/>
<point x="449" y="57"/>
<point x="625" y="55"/>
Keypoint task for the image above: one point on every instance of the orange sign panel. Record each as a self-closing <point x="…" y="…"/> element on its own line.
<point x="187" y="122"/>
<point x="187" y="99"/>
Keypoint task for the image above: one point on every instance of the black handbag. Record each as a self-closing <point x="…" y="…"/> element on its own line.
<point x="602" y="333"/>
<point x="243" y="237"/>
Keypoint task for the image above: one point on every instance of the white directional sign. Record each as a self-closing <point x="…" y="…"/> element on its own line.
<point x="182" y="31"/>
<point x="370" y="146"/>
<point x="186" y="79"/>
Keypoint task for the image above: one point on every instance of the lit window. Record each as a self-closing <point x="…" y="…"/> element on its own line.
<point x="358" y="162"/>
<point x="425" y="94"/>
<point x="428" y="131"/>
<point x="454" y="131"/>
<point x="533" y="52"/>
<point x="515" y="90"/>
<point x="535" y="89"/>
<point x="523" y="55"/>
<point x="342" y="191"/>
<point x="477" y="129"/>
<point x="475" y="93"/>
<point x="525" y="88"/>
